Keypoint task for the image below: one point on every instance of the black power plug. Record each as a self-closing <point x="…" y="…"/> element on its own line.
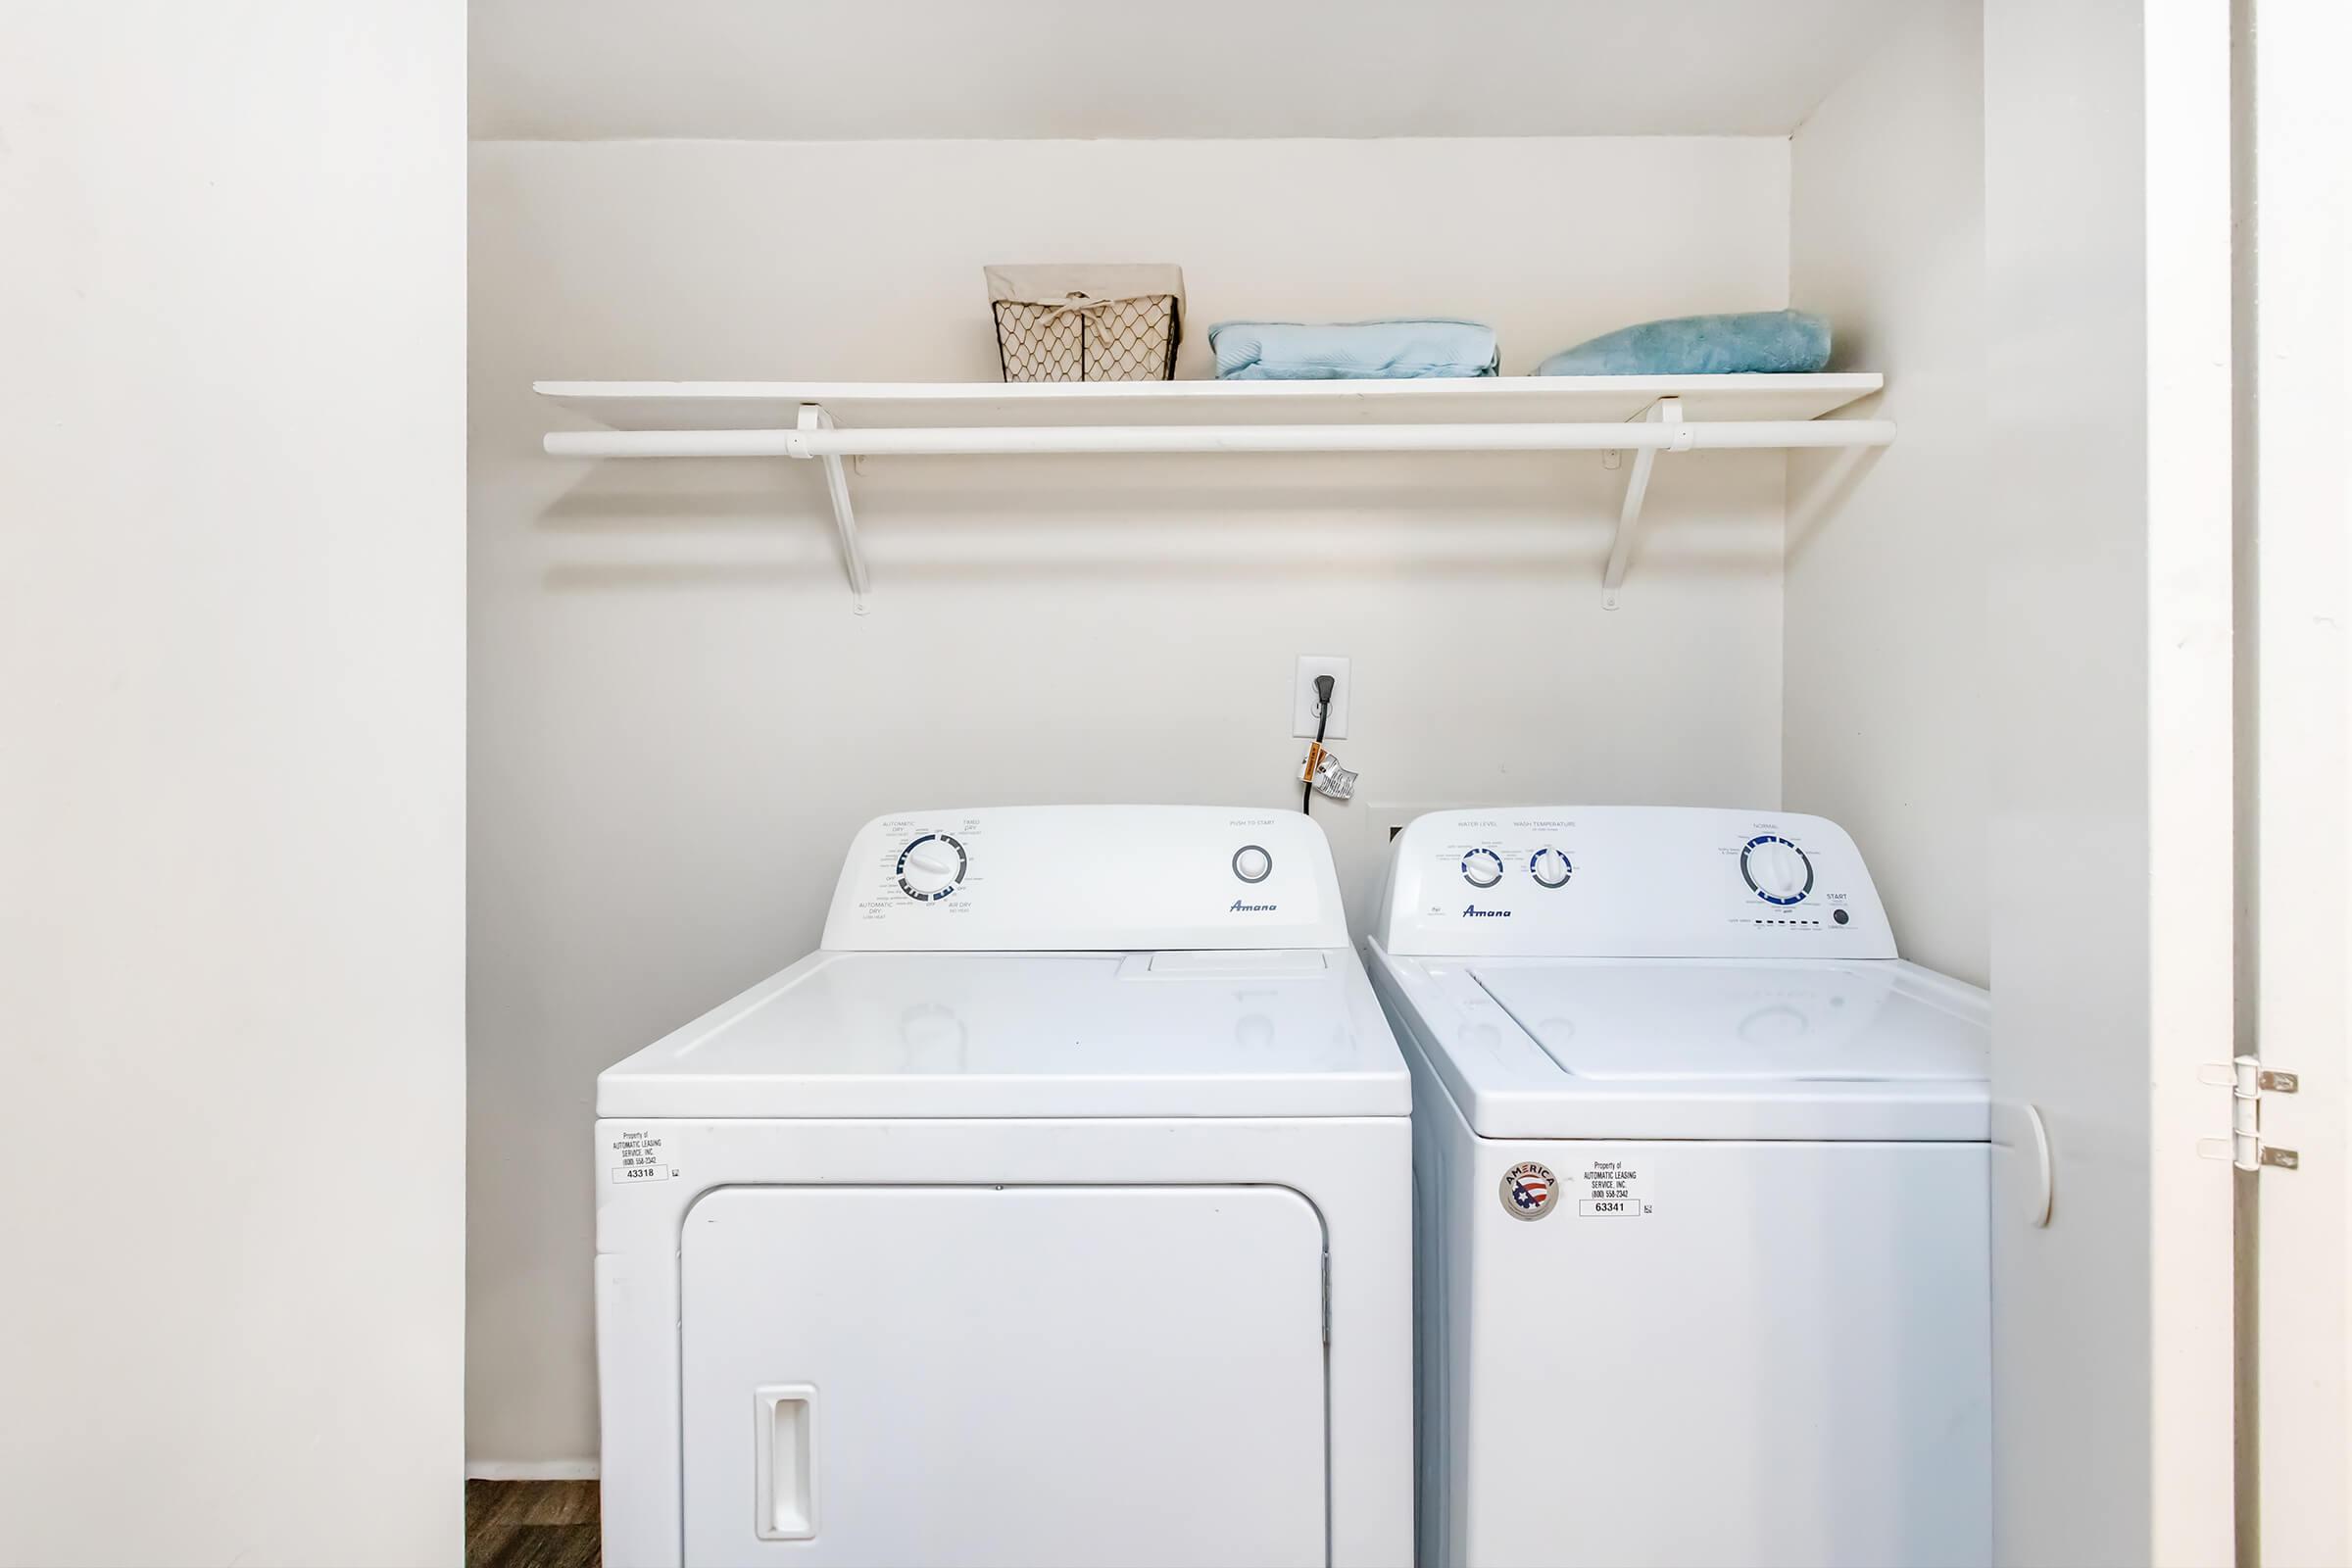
<point x="1323" y="690"/>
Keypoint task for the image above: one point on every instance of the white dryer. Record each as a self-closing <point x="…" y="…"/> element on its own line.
<point x="1702" y="1197"/>
<point x="1056" y="1212"/>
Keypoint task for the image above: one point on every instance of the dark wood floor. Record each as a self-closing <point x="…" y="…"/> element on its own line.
<point x="531" y="1523"/>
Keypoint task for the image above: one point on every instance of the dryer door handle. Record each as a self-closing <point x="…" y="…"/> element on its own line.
<point x="785" y="1430"/>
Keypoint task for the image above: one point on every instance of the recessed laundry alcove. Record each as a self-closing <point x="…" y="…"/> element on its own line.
<point x="735" y="380"/>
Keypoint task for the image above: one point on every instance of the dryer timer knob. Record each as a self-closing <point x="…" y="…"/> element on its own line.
<point x="930" y="866"/>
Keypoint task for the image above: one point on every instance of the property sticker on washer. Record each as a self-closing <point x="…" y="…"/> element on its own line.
<point x="1530" y="1190"/>
<point x="1615" y="1184"/>
<point x="641" y="1158"/>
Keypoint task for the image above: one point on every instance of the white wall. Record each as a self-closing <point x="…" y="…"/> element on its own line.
<point x="1886" y="635"/>
<point x="2296" y="758"/>
<point x="231" y="808"/>
<point x="2108" y="535"/>
<point x="677" y="722"/>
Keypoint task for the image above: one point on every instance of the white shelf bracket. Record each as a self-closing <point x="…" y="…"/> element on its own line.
<point x="1668" y="411"/>
<point x="836" y="488"/>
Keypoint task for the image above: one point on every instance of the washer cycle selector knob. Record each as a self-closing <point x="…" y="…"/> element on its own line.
<point x="930" y="867"/>
<point x="1776" y="869"/>
<point x="1252" y="863"/>
<point x="1549" y="867"/>
<point x="1481" y="869"/>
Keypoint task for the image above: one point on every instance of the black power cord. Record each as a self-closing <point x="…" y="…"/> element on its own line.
<point x="1323" y="685"/>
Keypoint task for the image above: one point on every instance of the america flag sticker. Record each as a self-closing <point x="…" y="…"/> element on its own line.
<point x="1529" y="1191"/>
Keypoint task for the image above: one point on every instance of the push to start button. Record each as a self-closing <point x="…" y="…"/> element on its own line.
<point x="1251" y="863"/>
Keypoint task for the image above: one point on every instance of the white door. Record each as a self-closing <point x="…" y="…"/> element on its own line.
<point x="2106" y="494"/>
<point x="2297" y="738"/>
<point x="1024" y="1377"/>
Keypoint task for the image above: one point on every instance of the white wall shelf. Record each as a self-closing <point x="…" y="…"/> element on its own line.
<point x="827" y="421"/>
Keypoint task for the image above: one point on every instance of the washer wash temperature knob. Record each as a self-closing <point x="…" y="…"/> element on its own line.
<point x="1549" y="867"/>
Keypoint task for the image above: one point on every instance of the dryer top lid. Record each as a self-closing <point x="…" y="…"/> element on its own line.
<point x="892" y="1035"/>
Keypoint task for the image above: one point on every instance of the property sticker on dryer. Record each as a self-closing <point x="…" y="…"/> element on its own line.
<point x="640" y="1157"/>
<point x="1615" y="1184"/>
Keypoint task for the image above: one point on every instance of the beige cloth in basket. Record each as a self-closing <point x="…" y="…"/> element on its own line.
<point x="1053" y="283"/>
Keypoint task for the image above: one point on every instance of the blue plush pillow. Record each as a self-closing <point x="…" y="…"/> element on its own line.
<point x="1702" y="345"/>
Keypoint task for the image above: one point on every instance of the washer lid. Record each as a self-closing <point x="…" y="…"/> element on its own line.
<point x="1702" y="1022"/>
<point x="1261" y="1033"/>
<point x="1870" y="1050"/>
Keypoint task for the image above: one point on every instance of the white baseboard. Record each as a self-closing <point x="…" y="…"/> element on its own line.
<point x="530" y="1469"/>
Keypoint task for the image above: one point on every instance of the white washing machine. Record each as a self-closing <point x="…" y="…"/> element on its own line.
<point x="1702" y="1197"/>
<point x="1055" y="1211"/>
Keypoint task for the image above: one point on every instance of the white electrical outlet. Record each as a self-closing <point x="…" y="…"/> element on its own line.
<point x="1302" y="697"/>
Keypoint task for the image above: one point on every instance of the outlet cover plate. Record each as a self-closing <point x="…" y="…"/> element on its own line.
<point x="1303" y="696"/>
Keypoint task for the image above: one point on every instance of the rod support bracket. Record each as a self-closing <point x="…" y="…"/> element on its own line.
<point x="1666" y="411"/>
<point x="813" y="417"/>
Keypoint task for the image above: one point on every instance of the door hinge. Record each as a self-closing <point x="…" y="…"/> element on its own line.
<point x="2247" y="1081"/>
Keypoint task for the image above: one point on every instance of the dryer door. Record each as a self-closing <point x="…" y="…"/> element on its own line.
<point x="1030" y="1376"/>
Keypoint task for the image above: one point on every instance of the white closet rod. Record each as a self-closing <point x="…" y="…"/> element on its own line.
<point x="939" y="441"/>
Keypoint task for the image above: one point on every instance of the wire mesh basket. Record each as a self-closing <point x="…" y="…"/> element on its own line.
<point x="1117" y="321"/>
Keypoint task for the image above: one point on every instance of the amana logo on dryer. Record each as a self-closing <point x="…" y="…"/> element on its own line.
<point x="1239" y="908"/>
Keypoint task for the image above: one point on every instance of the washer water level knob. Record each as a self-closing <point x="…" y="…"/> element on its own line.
<point x="929" y="867"/>
<point x="1549" y="867"/>
<point x="1481" y="869"/>
<point x="1777" y="870"/>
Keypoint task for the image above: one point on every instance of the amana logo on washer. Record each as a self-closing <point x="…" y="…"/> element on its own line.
<point x="1530" y="1190"/>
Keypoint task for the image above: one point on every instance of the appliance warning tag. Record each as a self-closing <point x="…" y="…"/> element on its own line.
<point x="640" y="1157"/>
<point x="1613" y="1184"/>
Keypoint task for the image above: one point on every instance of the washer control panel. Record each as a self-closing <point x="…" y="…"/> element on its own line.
<point x="1120" y="878"/>
<point x="1631" y="881"/>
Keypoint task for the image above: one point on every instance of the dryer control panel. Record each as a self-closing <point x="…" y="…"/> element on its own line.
<point x="1630" y="882"/>
<point x="1061" y="878"/>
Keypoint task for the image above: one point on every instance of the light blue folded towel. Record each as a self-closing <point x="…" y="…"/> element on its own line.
<point x="1352" y="351"/>
<point x="1702" y="345"/>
